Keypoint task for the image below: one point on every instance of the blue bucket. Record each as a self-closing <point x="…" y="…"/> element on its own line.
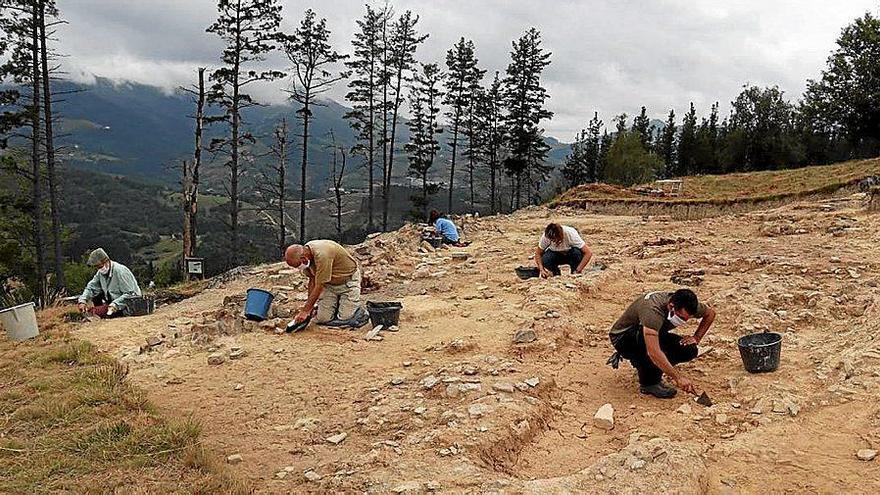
<point x="257" y="306"/>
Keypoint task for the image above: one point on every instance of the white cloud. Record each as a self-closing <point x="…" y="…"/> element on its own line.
<point x="608" y="56"/>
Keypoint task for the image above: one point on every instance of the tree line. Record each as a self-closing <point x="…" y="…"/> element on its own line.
<point x="493" y="125"/>
<point x="838" y="118"/>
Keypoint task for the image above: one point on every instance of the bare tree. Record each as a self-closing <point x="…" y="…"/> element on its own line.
<point x="44" y="8"/>
<point x="337" y="173"/>
<point x="191" y="174"/>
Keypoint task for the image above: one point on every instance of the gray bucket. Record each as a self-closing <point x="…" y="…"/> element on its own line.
<point x="20" y="322"/>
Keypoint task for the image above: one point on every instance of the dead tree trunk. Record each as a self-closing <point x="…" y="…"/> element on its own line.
<point x="281" y="137"/>
<point x="36" y="175"/>
<point x="51" y="177"/>
<point x="191" y="177"/>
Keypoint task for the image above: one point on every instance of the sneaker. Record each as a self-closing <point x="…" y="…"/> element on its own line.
<point x="659" y="390"/>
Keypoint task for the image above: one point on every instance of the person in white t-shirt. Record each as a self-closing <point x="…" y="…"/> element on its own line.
<point x="561" y="245"/>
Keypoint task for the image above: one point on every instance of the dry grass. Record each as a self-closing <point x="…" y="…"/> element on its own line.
<point x="70" y="422"/>
<point x="741" y="187"/>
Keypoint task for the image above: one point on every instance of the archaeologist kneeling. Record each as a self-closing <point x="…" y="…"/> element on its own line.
<point x="643" y="336"/>
<point x="110" y="289"/>
<point x="334" y="284"/>
<point x="446" y="229"/>
<point x="561" y="245"/>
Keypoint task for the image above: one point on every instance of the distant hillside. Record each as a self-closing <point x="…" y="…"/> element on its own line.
<point x="137" y="130"/>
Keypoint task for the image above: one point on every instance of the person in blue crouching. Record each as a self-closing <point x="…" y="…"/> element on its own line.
<point x="446" y="229"/>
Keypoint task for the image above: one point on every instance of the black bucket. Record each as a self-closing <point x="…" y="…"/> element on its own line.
<point x="140" y="305"/>
<point x="527" y="272"/>
<point x="386" y="314"/>
<point x="760" y="351"/>
<point x="434" y="241"/>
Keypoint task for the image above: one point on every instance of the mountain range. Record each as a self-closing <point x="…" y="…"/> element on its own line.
<point x="141" y="131"/>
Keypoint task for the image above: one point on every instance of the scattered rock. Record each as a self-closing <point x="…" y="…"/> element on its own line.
<point x="533" y="382"/>
<point x="278" y="351"/>
<point x="503" y="387"/>
<point x="234" y="459"/>
<point x="407" y="364"/>
<point x="408" y="487"/>
<point x="305" y="423"/>
<point x="281" y="475"/>
<point x="866" y="454"/>
<point x="312" y="476"/>
<point x="237" y="353"/>
<point x="721" y="419"/>
<point x="478" y="410"/>
<point x="420" y="410"/>
<point x="525" y="336"/>
<point x="393" y="328"/>
<point x="337" y="439"/>
<point x="216" y="358"/>
<point x="397" y="381"/>
<point x="430" y="382"/>
<point x="154" y="341"/>
<point x="685" y="409"/>
<point x="604" y="417"/>
<point x="453" y="391"/>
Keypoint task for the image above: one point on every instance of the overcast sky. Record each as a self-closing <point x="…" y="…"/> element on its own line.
<point x="608" y="56"/>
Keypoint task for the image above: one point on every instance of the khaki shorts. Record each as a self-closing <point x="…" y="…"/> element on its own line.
<point x="339" y="302"/>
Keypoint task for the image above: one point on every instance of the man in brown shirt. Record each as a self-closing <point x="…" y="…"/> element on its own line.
<point x="643" y="336"/>
<point x="334" y="283"/>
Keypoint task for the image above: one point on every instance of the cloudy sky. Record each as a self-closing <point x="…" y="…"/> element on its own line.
<point x="608" y="56"/>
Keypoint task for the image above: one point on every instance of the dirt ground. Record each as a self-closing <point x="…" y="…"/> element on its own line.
<point x="450" y="403"/>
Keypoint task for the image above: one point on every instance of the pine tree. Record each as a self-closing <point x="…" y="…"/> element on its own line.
<point x="642" y="125"/>
<point x="593" y="148"/>
<point x="424" y="126"/>
<point x="524" y="99"/>
<point x="462" y="82"/>
<point x="364" y="91"/>
<point x="401" y="49"/>
<point x="490" y="117"/>
<point x="575" y="168"/>
<point x="604" y="147"/>
<point x="666" y="145"/>
<point x="312" y="60"/>
<point x="687" y="142"/>
<point x="249" y="31"/>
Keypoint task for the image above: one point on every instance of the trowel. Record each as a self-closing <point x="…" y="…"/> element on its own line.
<point x="704" y="400"/>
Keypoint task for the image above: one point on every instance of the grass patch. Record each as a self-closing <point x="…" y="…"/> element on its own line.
<point x="761" y="186"/>
<point x="71" y="422"/>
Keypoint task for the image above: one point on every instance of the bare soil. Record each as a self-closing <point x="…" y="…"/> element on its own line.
<point x="430" y="407"/>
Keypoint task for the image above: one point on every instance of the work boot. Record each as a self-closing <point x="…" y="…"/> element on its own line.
<point x="659" y="390"/>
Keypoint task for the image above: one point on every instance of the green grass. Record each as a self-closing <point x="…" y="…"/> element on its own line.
<point x="71" y="422"/>
<point x="742" y="187"/>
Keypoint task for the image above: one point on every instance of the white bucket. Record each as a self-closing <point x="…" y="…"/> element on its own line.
<point x="20" y="322"/>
